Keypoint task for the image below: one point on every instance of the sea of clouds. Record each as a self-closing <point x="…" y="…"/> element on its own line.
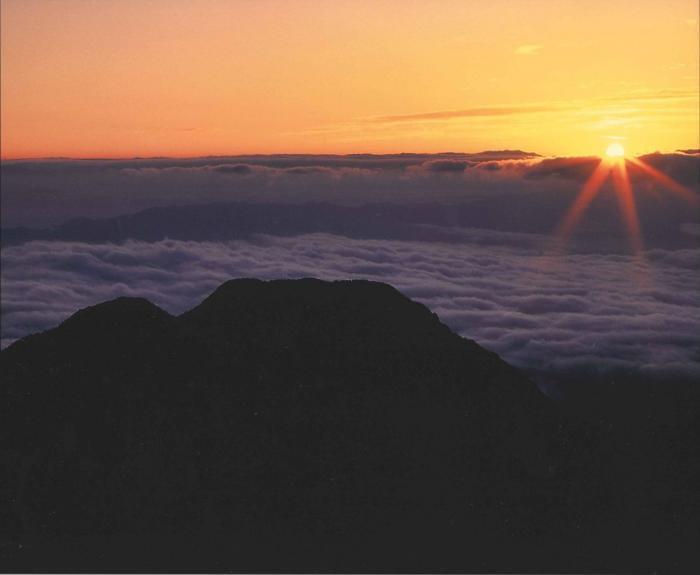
<point x="578" y="312"/>
<point x="586" y="312"/>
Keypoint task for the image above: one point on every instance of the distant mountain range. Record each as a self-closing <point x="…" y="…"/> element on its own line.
<point x="236" y="220"/>
<point x="435" y="222"/>
<point x="307" y="426"/>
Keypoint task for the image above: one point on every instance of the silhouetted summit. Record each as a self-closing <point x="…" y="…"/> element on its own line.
<point x="122" y="316"/>
<point x="339" y="315"/>
<point x="292" y="425"/>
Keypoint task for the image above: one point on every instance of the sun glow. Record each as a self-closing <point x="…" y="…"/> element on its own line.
<point x="616" y="167"/>
<point x="615" y="151"/>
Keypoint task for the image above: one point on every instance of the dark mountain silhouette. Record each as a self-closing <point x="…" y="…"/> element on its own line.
<point x="234" y="220"/>
<point x="429" y="221"/>
<point x="314" y="426"/>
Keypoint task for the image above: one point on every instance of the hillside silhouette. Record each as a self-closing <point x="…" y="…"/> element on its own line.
<point x="319" y="426"/>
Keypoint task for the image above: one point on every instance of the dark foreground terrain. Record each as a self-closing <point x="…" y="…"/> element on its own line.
<point x="309" y="426"/>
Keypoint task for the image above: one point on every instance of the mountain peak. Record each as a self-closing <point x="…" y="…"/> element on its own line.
<point x="297" y="404"/>
<point x="119" y="312"/>
<point x="360" y="311"/>
<point x="247" y="286"/>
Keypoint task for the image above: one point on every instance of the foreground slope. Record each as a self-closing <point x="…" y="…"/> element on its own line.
<point x="290" y="425"/>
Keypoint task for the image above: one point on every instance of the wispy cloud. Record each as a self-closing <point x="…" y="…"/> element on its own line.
<point x="624" y="108"/>
<point x="528" y="50"/>
<point x="468" y="113"/>
<point x="653" y="95"/>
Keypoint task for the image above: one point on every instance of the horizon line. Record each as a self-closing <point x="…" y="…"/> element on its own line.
<point x="254" y="154"/>
<point x="308" y="154"/>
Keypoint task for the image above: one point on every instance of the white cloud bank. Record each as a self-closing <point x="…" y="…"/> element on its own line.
<point x="584" y="313"/>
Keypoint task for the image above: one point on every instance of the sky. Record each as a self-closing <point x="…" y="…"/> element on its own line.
<point x="180" y="78"/>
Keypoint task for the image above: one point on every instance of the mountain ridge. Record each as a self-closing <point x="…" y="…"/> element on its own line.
<point x="315" y="418"/>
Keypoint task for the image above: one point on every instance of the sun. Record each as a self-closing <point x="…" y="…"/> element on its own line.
<point x="615" y="150"/>
<point x="615" y="166"/>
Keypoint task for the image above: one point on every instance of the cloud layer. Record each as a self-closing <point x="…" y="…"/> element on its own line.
<point x="596" y="314"/>
<point x="464" y="233"/>
<point x="46" y="193"/>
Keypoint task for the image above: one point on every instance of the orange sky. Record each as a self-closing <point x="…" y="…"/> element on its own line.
<point x="182" y="78"/>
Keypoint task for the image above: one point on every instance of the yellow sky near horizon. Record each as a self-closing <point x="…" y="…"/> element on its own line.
<point x="128" y="78"/>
